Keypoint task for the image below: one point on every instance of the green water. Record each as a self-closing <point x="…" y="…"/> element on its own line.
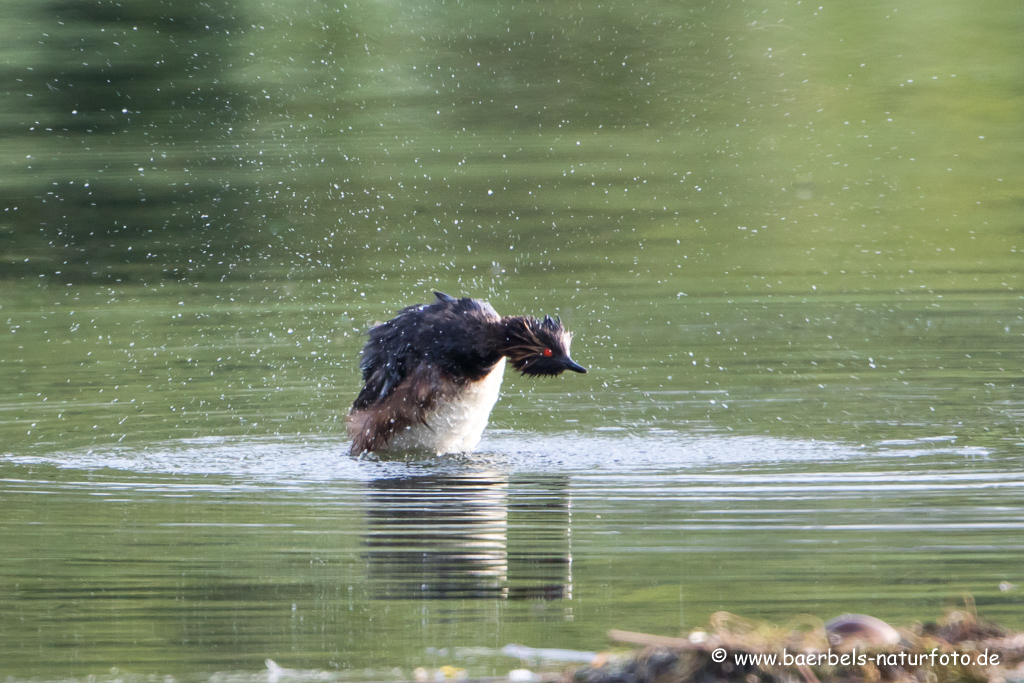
<point x="787" y="237"/>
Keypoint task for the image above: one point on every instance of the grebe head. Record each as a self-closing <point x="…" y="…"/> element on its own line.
<point x="539" y="347"/>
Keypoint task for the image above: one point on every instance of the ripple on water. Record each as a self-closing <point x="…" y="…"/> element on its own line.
<point x="324" y="459"/>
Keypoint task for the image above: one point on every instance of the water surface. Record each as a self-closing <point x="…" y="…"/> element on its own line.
<point x="214" y="554"/>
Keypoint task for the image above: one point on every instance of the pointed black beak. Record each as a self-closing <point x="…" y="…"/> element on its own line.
<point x="570" y="364"/>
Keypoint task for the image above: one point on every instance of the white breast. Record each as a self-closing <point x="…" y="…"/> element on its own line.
<point x="457" y="425"/>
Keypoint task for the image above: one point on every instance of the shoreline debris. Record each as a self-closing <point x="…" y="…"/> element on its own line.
<point x="852" y="648"/>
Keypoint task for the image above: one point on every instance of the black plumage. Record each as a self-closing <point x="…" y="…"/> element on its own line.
<point x="431" y="355"/>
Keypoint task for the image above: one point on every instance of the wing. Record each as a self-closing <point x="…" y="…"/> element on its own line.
<point x="435" y="334"/>
<point x="388" y="358"/>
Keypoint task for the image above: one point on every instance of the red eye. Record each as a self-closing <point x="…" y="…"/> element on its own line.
<point x="548" y="353"/>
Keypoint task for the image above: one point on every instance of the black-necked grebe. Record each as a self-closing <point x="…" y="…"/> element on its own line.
<point x="433" y="372"/>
